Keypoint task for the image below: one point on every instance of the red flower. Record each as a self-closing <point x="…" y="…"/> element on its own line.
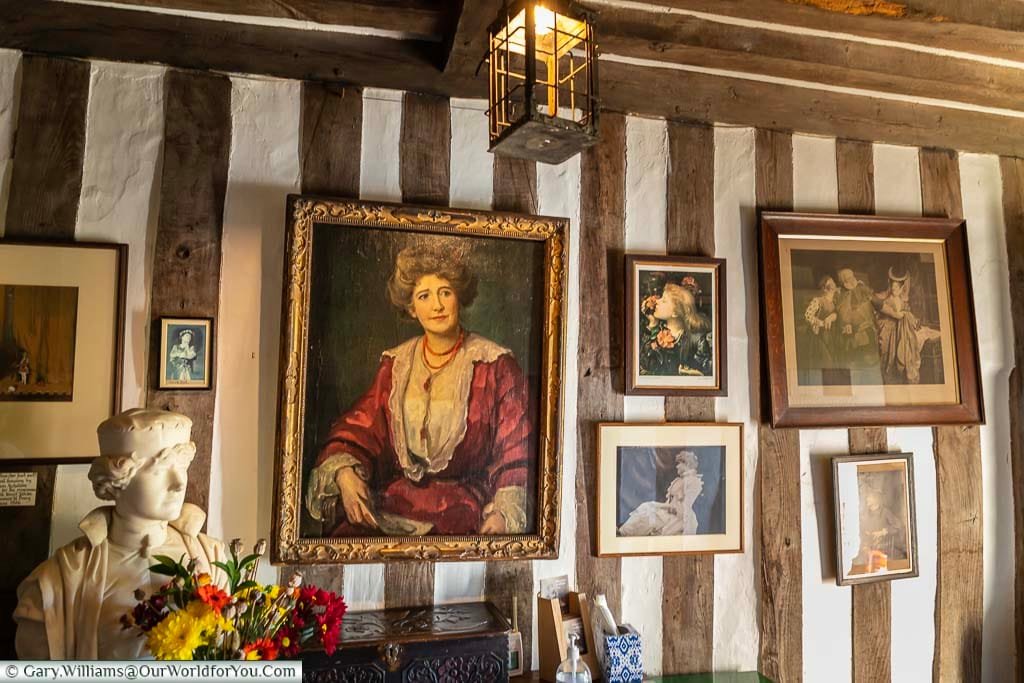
<point x="691" y="284"/>
<point x="263" y="648"/>
<point x="213" y="596"/>
<point x="666" y="339"/>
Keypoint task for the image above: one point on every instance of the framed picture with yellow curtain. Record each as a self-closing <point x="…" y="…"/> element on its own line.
<point x="61" y="347"/>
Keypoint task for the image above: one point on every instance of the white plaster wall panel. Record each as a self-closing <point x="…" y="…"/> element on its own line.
<point x="736" y="631"/>
<point x="121" y="191"/>
<point x="471" y="186"/>
<point x="646" y="205"/>
<point x="379" y="172"/>
<point x="981" y="190"/>
<point x="897" y="180"/>
<point x="264" y="168"/>
<point x="472" y="174"/>
<point x="10" y="85"/>
<point x="558" y="193"/>
<point x="73" y="499"/>
<point x="379" y="179"/>
<point x="827" y="608"/>
<point x="898" y="192"/>
<point x="827" y="629"/>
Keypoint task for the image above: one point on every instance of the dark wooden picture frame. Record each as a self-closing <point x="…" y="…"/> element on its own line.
<point x="383" y="229"/>
<point x="914" y="571"/>
<point x="945" y="237"/>
<point x="718" y="319"/>
<point x="209" y="346"/>
<point x="83" y="448"/>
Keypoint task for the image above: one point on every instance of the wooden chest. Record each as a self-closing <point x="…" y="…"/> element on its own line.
<point x="465" y="643"/>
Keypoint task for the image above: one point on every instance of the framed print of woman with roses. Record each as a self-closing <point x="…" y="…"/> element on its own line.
<point x="676" y="316"/>
<point x="419" y="389"/>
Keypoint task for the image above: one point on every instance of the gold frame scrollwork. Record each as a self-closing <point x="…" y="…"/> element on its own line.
<point x="303" y="213"/>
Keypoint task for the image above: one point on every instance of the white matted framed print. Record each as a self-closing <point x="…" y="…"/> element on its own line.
<point x="186" y="346"/>
<point x="876" y="523"/>
<point x="669" y="488"/>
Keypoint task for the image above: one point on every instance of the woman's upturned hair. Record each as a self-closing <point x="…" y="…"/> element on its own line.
<point x="684" y="305"/>
<point x="413" y="263"/>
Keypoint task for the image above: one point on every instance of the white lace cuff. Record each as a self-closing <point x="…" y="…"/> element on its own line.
<point x="511" y="503"/>
<point x="322" y="485"/>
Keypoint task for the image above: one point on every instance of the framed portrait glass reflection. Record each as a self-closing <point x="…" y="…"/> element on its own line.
<point x="675" y="325"/>
<point x="669" y="488"/>
<point x="420" y="384"/>
<point x="869" y="321"/>
<point x="876" y="522"/>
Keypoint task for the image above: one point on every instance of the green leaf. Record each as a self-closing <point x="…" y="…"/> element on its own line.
<point x="161" y="569"/>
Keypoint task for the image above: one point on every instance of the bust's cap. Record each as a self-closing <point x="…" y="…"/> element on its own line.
<point x="146" y="431"/>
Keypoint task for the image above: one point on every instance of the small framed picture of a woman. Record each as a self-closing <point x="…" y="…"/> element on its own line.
<point x="675" y="325"/>
<point x="186" y="346"/>
<point x="669" y="488"/>
<point x="420" y="383"/>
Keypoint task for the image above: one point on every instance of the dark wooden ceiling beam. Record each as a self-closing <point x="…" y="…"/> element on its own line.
<point x="468" y="37"/>
<point x="678" y="94"/>
<point x="699" y="42"/>
<point x="46" y="26"/>
<point x="417" y="17"/>
<point x="950" y="35"/>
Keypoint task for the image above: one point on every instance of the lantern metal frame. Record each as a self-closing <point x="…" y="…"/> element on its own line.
<point x="518" y="124"/>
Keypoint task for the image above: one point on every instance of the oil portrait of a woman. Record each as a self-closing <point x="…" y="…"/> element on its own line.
<point x="441" y="441"/>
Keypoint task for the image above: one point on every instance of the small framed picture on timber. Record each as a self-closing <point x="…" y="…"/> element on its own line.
<point x="186" y="348"/>
<point x="876" y="523"/>
<point x="675" y="330"/>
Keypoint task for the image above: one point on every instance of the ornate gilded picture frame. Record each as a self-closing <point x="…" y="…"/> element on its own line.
<point x="420" y="381"/>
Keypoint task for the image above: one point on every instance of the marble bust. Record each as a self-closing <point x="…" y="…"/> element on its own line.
<point x="70" y="606"/>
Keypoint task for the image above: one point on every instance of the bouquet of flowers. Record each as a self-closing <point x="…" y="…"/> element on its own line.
<point x="190" y="617"/>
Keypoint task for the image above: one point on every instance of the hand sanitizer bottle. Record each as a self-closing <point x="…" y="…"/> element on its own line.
<point x="573" y="669"/>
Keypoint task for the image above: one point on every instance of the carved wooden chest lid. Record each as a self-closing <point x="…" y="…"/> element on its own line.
<point x="407" y="625"/>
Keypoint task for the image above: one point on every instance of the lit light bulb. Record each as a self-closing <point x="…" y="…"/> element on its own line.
<point x="544" y="20"/>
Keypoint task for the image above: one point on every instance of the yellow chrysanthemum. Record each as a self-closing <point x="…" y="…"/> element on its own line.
<point x="203" y="579"/>
<point x="273" y="591"/>
<point x="175" y="637"/>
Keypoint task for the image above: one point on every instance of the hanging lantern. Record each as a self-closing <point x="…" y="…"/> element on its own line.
<point x="543" y="81"/>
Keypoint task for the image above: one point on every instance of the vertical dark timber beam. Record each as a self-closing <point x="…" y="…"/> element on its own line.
<point x="599" y="399"/>
<point x="781" y="615"/>
<point x="1013" y="213"/>
<point x="187" y="259"/>
<point x="515" y="189"/>
<point x="688" y="597"/>
<point x="332" y="138"/>
<point x="872" y="602"/>
<point x="46" y="181"/>
<point x="425" y="154"/>
<point x="959" y="590"/>
<point x="46" y="184"/>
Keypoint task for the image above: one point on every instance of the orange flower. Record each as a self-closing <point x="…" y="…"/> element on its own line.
<point x="264" y="648"/>
<point x="204" y="579"/>
<point x="649" y="303"/>
<point x="666" y="339"/>
<point x="213" y="596"/>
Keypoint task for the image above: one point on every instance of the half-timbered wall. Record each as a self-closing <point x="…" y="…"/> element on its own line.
<point x="192" y="170"/>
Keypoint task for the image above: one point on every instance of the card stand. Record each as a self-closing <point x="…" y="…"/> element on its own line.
<point x="623" y="654"/>
<point x="551" y="636"/>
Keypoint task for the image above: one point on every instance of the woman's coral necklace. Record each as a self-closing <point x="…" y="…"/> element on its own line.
<point x="450" y="353"/>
